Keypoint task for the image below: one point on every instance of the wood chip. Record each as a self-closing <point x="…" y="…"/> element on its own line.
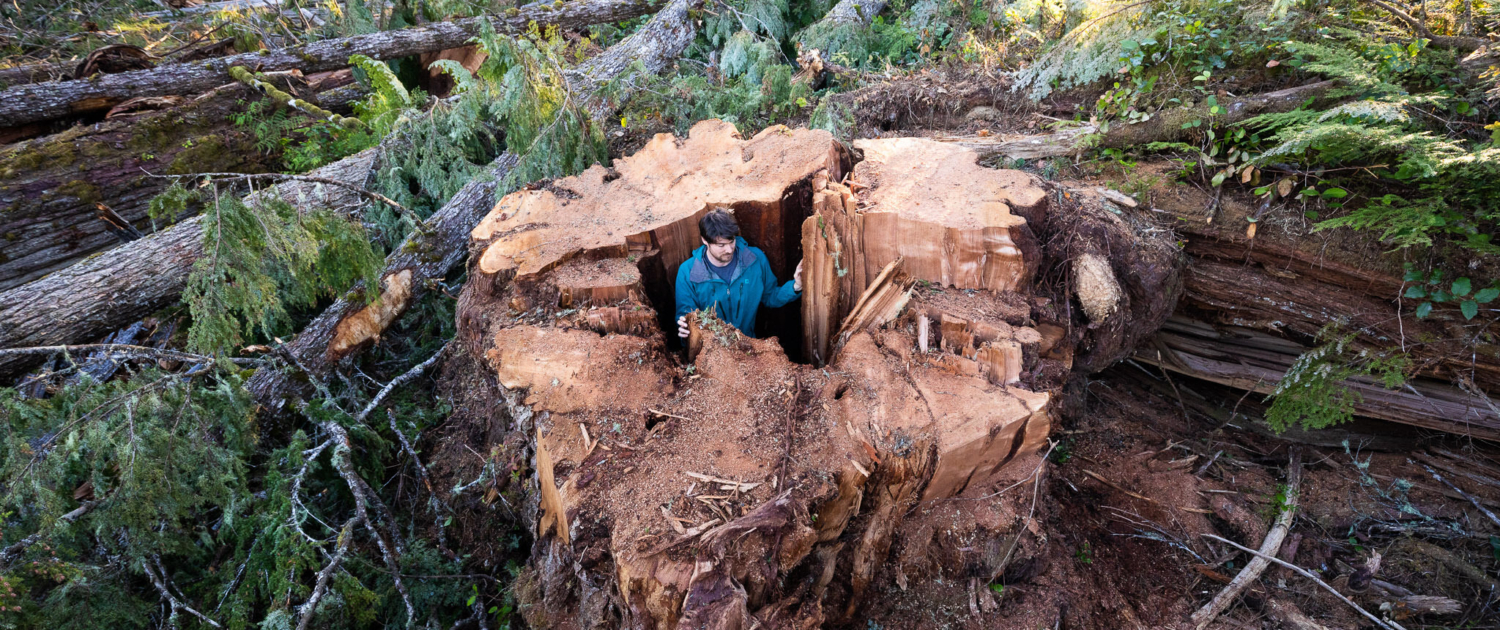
<point x="719" y="480"/>
<point x="672" y="520"/>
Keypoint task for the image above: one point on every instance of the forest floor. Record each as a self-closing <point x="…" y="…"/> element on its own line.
<point x="1134" y="485"/>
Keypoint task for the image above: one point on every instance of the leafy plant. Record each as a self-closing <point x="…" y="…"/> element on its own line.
<point x="1431" y="288"/>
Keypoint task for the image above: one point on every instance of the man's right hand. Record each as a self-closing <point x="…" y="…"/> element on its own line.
<point x="682" y="327"/>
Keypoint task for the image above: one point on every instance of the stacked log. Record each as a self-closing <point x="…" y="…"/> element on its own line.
<point x="737" y="486"/>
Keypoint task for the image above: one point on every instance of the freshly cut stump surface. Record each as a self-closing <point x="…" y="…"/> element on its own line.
<point x="740" y="487"/>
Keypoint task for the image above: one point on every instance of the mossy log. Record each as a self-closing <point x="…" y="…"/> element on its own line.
<point x="737" y="486"/>
<point x="29" y="103"/>
<point x="70" y="194"/>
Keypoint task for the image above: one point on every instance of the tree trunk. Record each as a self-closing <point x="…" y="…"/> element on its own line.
<point x="656" y="46"/>
<point x="744" y="488"/>
<point x="1250" y="306"/>
<point x="845" y="19"/>
<point x="70" y="194"/>
<point x="1249" y="359"/>
<point x="44" y="101"/>
<point x="103" y="293"/>
<point x="347" y="328"/>
<point x="1164" y="126"/>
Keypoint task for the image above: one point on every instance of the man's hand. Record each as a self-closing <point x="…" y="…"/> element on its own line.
<point x="797" y="277"/>
<point x="682" y="327"/>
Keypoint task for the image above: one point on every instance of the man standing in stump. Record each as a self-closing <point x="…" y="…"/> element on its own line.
<point x="730" y="276"/>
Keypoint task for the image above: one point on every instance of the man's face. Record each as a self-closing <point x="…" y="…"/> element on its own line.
<point x="720" y="251"/>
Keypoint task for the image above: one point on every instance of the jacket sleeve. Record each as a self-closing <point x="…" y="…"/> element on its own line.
<point x="685" y="302"/>
<point x="775" y="295"/>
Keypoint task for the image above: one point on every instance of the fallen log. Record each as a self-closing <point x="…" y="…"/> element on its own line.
<point x="24" y="104"/>
<point x="349" y="327"/>
<point x="1250" y="306"/>
<point x="1166" y="125"/>
<point x="69" y="194"/>
<point x="744" y="485"/>
<point x="101" y="294"/>
<point x="1248" y="359"/>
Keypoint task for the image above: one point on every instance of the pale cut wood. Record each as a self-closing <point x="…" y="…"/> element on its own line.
<point x="954" y="222"/>
<point x="820" y="256"/>
<point x="637" y="206"/>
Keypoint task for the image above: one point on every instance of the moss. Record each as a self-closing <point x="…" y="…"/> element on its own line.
<point x="206" y="154"/>
<point x="80" y="190"/>
<point x="49" y="154"/>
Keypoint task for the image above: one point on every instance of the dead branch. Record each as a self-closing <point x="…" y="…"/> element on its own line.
<point x="342" y="453"/>
<point x="1467" y="44"/>
<point x="160" y="582"/>
<point x="1388" y="625"/>
<point x="1491" y="515"/>
<point x="414" y="372"/>
<point x="1268" y="549"/>
<point x="312" y="179"/>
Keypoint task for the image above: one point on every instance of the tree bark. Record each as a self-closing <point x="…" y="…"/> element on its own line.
<point x="1164" y="126"/>
<point x="349" y="326"/>
<point x="656" y="46"/>
<point x="45" y="101"/>
<point x="103" y="293"/>
<point x="66" y="196"/>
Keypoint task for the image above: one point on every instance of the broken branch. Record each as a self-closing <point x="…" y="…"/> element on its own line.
<point x="1387" y="625"/>
<point x="1268" y="549"/>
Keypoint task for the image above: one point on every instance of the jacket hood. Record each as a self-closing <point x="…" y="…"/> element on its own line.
<point x="699" y="271"/>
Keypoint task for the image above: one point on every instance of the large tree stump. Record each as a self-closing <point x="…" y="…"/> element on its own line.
<point x="747" y="485"/>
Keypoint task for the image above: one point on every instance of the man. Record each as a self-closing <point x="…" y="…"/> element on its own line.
<point x="728" y="274"/>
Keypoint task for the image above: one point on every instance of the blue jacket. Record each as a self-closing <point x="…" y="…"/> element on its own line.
<point x="751" y="285"/>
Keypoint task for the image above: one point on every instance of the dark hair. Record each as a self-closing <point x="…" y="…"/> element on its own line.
<point x="718" y="223"/>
